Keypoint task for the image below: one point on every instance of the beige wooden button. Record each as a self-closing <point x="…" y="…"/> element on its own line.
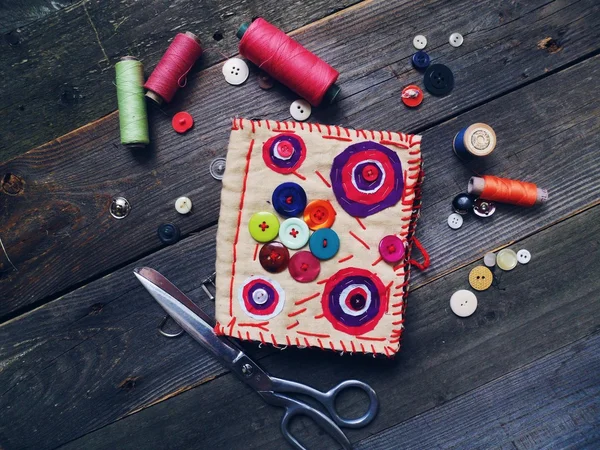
<point x="480" y="278"/>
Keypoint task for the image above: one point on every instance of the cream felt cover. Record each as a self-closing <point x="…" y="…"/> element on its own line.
<point x="248" y="185"/>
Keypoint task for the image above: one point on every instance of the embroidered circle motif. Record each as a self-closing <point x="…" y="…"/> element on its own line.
<point x="261" y="298"/>
<point x="367" y="178"/>
<point x="284" y="153"/>
<point x="354" y="300"/>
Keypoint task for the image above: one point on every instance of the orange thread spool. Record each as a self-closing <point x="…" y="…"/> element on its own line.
<point x="503" y="190"/>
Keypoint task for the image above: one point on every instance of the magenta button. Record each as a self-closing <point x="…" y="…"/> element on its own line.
<point x="391" y="249"/>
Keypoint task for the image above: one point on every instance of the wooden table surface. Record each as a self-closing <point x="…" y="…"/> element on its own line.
<point x="81" y="362"/>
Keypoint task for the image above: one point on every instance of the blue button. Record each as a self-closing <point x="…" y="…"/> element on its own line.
<point x="324" y="243"/>
<point x="289" y="199"/>
<point x="421" y="60"/>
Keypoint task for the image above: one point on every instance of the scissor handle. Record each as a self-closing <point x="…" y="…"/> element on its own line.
<point x="294" y="408"/>
<point x="327" y="399"/>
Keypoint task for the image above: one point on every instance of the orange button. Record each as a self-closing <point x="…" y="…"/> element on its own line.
<point x="412" y="96"/>
<point x="319" y="214"/>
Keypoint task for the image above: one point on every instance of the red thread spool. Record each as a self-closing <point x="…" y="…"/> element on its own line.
<point x="288" y="62"/>
<point x="508" y="191"/>
<point x="169" y="75"/>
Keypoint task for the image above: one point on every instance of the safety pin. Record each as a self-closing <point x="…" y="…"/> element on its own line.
<point x="161" y="326"/>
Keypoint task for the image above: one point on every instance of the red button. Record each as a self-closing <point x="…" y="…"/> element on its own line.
<point x="182" y="122"/>
<point x="274" y="257"/>
<point x="370" y="172"/>
<point x="319" y="214"/>
<point x="391" y="249"/>
<point x="412" y="96"/>
<point x="304" y="267"/>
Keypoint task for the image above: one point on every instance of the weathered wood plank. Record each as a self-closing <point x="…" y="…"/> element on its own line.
<point x="551" y="403"/>
<point x="63" y="177"/>
<point x="79" y="45"/>
<point x="534" y="311"/>
<point x="15" y="14"/>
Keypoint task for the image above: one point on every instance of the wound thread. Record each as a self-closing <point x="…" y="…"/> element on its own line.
<point x="172" y="69"/>
<point x="288" y="62"/>
<point x="504" y="190"/>
<point x="133" y="117"/>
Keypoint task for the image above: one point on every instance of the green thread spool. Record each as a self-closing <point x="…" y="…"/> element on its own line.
<point x="133" y="117"/>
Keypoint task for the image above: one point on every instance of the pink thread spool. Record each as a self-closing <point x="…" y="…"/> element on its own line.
<point x="172" y="69"/>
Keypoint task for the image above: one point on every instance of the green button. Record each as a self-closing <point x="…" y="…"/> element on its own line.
<point x="263" y="226"/>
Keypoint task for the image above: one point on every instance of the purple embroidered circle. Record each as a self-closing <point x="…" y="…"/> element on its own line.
<point x="367" y="178"/>
<point x="354" y="300"/>
<point x="284" y="153"/>
<point x="261" y="297"/>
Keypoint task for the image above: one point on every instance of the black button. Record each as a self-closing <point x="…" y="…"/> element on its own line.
<point x="169" y="233"/>
<point x="438" y="79"/>
<point x="463" y="203"/>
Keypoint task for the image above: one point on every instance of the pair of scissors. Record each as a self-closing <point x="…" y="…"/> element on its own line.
<point x="273" y="390"/>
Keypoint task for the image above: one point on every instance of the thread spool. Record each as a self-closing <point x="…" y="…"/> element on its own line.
<point x="288" y="62"/>
<point x="170" y="72"/>
<point x="504" y="190"/>
<point x="475" y="140"/>
<point x="133" y="117"/>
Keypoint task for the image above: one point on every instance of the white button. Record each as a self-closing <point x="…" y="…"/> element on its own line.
<point x="183" y="205"/>
<point x="489" y="259"/>
<point x="455" y="221"/>
<point x="235" y="71"/>
<point x="463" y="303"/>
<point x="420" y="42"/>
<point x="523" y="256"/>
<point x="456" y="39"/>
<point x="260" y="296"/>
<point x="300" y="110"/>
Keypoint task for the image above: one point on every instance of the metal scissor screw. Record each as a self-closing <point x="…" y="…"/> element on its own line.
<point x="247" y="370"/>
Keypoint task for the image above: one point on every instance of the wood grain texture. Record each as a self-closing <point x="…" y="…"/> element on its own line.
<point x="534" y="311"/>
<point x="18" y="13"/>
<point x="63" y="204"/>
<point x="57" y="73"/>
<point x="551" y="403"/>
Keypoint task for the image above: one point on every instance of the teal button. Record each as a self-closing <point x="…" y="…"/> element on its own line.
<point x="324" y="243"/>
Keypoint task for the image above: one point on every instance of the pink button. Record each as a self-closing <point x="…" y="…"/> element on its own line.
<point x="285" y="149"/>
<point x="304" y="267"/>
<point x="391" y="249"/>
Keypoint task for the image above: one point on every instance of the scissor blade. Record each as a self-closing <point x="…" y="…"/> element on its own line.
<point x="188" y="315"/>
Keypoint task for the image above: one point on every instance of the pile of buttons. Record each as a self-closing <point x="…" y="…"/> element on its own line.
<point x="438" y="79"/>
<point x="463" y="302"/>
<point x="464" y="204"/>
<point x="306" y="223"/>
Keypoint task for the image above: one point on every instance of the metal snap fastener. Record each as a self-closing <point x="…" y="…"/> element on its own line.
<point x="483" y="208"/>
<point x="217" y="168"/>
<point x="120" y="208"/>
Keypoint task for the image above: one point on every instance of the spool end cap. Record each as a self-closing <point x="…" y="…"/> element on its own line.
<point x="475" y="186"/>
<point x="154" y="97"/>
<point x="331" y="94"/>
<point x="242" y="30"/>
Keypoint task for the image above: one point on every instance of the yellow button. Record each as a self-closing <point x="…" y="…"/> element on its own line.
<point x="480" y="278"/>
<point x="506" y="259"/>
<point x="263" y="226"/>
